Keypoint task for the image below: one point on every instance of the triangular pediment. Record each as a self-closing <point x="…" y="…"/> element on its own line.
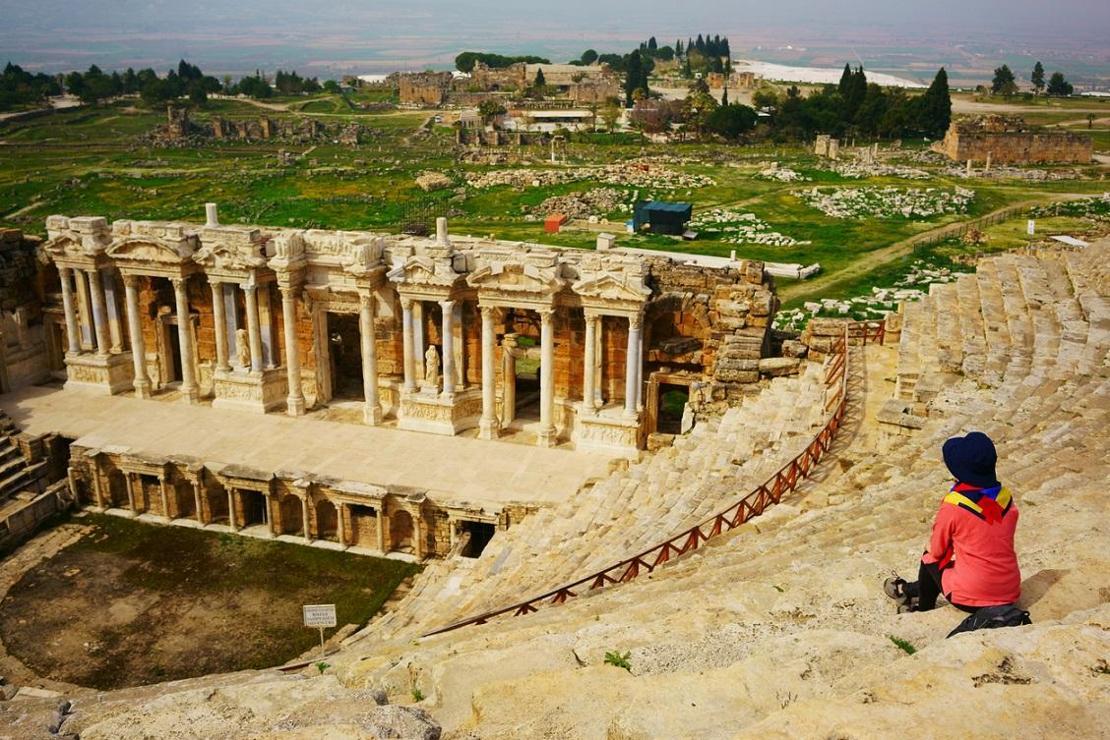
<point x="516" y="278"/>
<point x="64" y="245"/>
<point x="146" y="249"/>
<point x="610" y="287"/>
<point x="227" y="257"/>
<point x="426" y="271"/>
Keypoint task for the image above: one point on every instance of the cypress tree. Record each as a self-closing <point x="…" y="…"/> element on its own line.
<point x="724" y="96"/>
<point x="678" y="48"/>
<point x="936" y="106"/>
<point x="845" y="81"/>
<point x="700" y="44"/>
<point x="652" y="44"/>
<point x="1038" y="77"/>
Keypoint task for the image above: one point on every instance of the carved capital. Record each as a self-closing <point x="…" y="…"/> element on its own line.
<point x="131" y="281"/>
<point x="635" y="321"/>
<point x="406" y="303"/>
<point x="178" y="283"/>
<point x="546" y="313"/>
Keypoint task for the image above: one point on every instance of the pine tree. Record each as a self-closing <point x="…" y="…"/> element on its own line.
<point x="540" y="80"/>
<point x="935" y="109"/>
<point x="1038" y="78"/>
<point x="1003" y="82"/>
<point x="1058" y="86"/>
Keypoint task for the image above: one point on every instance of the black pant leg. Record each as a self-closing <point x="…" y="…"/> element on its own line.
<point x="928" y="586"/>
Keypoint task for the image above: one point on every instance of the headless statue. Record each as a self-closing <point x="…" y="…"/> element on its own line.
<point x="431" y="366"/>
<point x="242" y="349"/>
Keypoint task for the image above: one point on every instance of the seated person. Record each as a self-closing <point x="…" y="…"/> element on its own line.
<point x="970" y="558"/>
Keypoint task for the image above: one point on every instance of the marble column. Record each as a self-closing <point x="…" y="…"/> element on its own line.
<point x="198" y="502"/>
<point x="131" y="477"/>
<point x="254" y="332"/>
<point x="219" y="320"/>
<point x="165" y="497"/>
<point x="589" y="372"/>
<point x="231" y="509"/>
<point x="83" y="309"/>
<point x="418" y="347"/>
<point x="231" y="316"/>
<point x="367" y="310"/>
<point x="185" y="339"/>
<point x="99" y="312"/>
<point x="304" y="520"/>
<point x="631" y="366"/>
<point x="406" y="326"/>
<point x="73" y="339"/>
<point x="448" y="337"/>
<point x="380" y="519"/>
<point x="141" y="382"/>
<point x="640" y="370"/>
<point x="488" y="426"/>
<point x="294" y="402"/>
<point x="547" y="431"/>
<point x="110" y="297"/>
<point x="341" y="512"/>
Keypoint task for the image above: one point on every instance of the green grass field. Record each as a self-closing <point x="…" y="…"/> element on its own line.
<point x="96" y="162"/>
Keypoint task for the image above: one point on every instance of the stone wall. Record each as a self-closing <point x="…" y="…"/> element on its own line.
<point x="24" y="356"/>
<point x="1011" y="143"/>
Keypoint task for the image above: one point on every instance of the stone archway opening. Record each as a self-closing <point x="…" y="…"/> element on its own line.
<point x="327" y="521"/>
<point x="345" y="355"/>
<point x="401" y="532"/>
<point x="292" y="516"/>
<point x="671" y="406"/>
<point x="364" y="526"/>
<point x="185" y="500"/>
<point x="255" y="511"/>
<point x="480" y="534"/>
<point x="117" y="490"/>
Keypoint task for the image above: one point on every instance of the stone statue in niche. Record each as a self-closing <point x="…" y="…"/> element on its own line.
<point x="242" y="349"/>
<point x="431" y="366"/>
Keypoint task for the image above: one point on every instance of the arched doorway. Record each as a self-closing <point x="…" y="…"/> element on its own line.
<point x="401" y="531"/>
<point x="117" y="490"/>
<point x="292" y="516"/>
<point x="327" y="521"/>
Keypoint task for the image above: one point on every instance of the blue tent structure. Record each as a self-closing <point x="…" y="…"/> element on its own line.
<point x="662" y="216"/>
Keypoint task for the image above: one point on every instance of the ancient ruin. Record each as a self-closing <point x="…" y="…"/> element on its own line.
<point x="1008" y="140"/>
<point x="180" y="129"/>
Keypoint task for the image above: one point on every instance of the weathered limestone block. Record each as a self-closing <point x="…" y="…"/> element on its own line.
<point x="776" y="366"/>
<point x="794" y="348"/>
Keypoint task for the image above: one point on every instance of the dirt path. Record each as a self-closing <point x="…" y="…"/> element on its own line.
<point x="880" y="257"/>
<point x="960" y="105"/>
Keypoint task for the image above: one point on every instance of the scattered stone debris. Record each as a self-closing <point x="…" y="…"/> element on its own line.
<point x="887" y="202"/>
<point x="739" y="228"/>
<point x="782" y="174"/>
<point x="1097" y="207"/>
<point x="860" y="170"/>
<point x="628" y="174"/>
<point x="429" y="181"/>
<point x="597" y="202"/>
<point x="912" y="286"/>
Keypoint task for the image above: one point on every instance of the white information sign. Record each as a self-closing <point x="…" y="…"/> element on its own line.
<point x="1031" y="227"/>
<point x="319" y="615"/>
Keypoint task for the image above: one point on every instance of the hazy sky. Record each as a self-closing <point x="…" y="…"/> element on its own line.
<point x="368" y="35"/>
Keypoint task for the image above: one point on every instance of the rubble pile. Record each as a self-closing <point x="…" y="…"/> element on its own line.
<point x="1006" y="172"/>
<point x="598" y="202"/>
<point x="887" y="202"/>
<point x="632" y="175"/>
<point x="860" y="170"/>
<point x="429" y="181"/>
<point x="912" y="286"/>
<point x="739" y="228"/>
<point x="782" y="174"/>
<point x="1097" y="207"/>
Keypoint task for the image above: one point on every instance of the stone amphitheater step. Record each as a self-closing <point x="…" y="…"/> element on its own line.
<point x="780" y="622"/>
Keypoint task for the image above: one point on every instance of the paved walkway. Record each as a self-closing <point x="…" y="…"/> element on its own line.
<point x="452" y="469"/>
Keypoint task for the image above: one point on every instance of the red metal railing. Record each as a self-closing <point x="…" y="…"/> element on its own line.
<point x="752" y="505"/>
